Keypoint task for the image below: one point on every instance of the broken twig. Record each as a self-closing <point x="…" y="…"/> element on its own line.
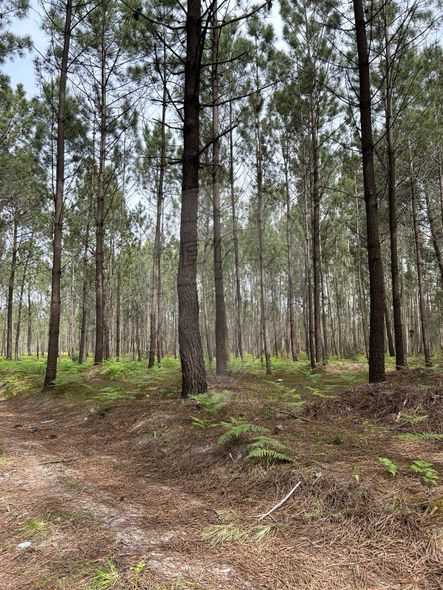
<point x="288" y="495"/>
<point x="59" y="461"/>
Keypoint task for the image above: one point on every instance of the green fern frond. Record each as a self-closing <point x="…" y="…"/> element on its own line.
<point x="267" y="441"/>
<point x="237" y="427"/>
<point x="202" y="423"/>
<point x="420" y="436"/>
<point x="211" y="403"/>
<point x="269" y="454"/>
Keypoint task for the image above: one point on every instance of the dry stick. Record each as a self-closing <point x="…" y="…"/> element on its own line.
<point x="59" y="461"/>
<point x="288" y="495"/>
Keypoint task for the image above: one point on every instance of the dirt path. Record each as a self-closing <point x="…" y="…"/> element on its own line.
<point x="68" y="493"/>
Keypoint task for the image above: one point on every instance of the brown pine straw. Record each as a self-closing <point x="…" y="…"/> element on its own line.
<point x="146" y="484"/>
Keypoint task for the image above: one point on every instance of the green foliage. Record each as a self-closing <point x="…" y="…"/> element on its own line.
<point x="426" y="470"/>
<point x="420" y="436"/>
<point x="413" y="419"/>
<point x="202" y="423"/>
<point x="269" y="449"/>
<point x="104" y="578"/>
<point x="237" y="427"/>
<point x="389" y="465"/>
<point x="35" y="525"/>
<point x="136" y="570"/>
<point x="114" y="393"/>
<point x="211" y="403"/>
<point x="318" y="392"/>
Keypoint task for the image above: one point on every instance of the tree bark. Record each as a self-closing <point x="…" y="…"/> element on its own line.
<point x="11" y="282"/>
<point x="436" y="245"/>
<point x="191" y="350"/>
<point x="99" y="235"/>
<point x="289" y="229"/>
<point x="315" y="220"/>
<point x="376" y="284"/>
<point x="83" y="311"/>
<point x="55" y="308"/>
<point x="419" y="264"/>
<point x="238" y="297"/>
<point x="154" y="339"/>
<point x="400" y="360"/>
<point x="29" y="334"/>
<point x="221" y="353"/>
<point x="20" y="299"/>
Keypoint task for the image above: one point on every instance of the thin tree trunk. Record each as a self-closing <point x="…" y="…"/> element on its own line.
<point x="99" y="235"/>
<point x="316" y="241"/>
<point x="84" y="308"/>
<point x="29" y="334"/>
<point x="289" y="229"/>
<point x="238" y="297"/>
<point x="221" y="353"/>
<point x="191" y="350"/>
<point x="11" y="281"/>
<point x="419" y="264"/>
<point x="156" y="256"/>
<point x="20" y="300"/>
<point x="54" y="312"/>
<point x="400" y="360"/>
<point x="376" y="284"/>
<point x="261" y="248"/>
<point x="391" y="348"/>
<point x="437" y="250"/>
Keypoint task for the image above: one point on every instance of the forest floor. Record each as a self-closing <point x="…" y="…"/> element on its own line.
<point x="113" y="482"/>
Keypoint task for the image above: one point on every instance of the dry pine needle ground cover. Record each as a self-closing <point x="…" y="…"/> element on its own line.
<point x="113" y="482"/>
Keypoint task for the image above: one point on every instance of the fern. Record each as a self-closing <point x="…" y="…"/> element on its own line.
<point x="412" y="420"/>
<point x="389" y="465"/>
<point x="319" y="393"/>
<point x="270" y="449"/>
<point x="237" y="427"/>
<point x="202" y="423"/>
<point x="426" y="470"/>
<point x="423" y="436"/>
<point x="211" y="403"/>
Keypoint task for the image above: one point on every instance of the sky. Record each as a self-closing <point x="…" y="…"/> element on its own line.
<point x="21" y="70"/>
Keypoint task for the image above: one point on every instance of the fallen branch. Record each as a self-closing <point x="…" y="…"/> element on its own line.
<point x="59" y="461"/>
<point x="288" y="495"/>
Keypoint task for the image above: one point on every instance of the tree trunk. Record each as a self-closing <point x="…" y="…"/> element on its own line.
<point x="316" y="241"/>
<point x="238" y="297"/>
<point x="156" y="256"/>
<point x="419" y="264"/>
<point x="54" y="312"/>
<point x="376" y="284"/>
<point x="20" y="300"/>
<point x="99" y="235"/>
<point x="400" y="360"/>
<point x="289" y="229"/>
<point x="436" y="245"/>
<point x="221" y="353"/>
<point x="84" y="308"/>
<point x="29" y="334"/>
<point x="10" y="306"/>
<point x="391" y="349"/>
<point x="191" y="350"/>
